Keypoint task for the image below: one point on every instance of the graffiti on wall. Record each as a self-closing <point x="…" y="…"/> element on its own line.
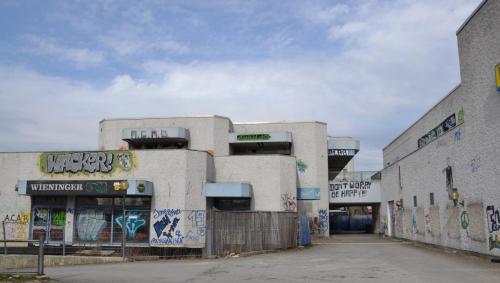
<point x="301" y="166"/>
<point x="16" y="225"/>
<point x="22" y="217"/>
<point x="448" y="124"/>
<point x="458" y="135"/>
<point x="428" y="220"/>
<point x="323" y="220"/>
<point x="167" y="229"/>
<point x="289" y="201"/>
<point x="349" y="189"/>
<point x="90" y="225"/>
<point x="464" y="220"/>
<point x="134" y="220"/>
<point x="493" y="217"/>
<point x="474" y="164"/>
<point x="414" y="224"/>
<point x="195" y="227"/>
<point x="83" y="163"/>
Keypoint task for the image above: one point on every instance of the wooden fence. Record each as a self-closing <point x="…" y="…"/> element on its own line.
<point x="247" y="231"/>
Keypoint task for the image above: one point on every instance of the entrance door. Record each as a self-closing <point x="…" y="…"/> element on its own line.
<point x="48" y="218"/>
<point x="48" y="221"/>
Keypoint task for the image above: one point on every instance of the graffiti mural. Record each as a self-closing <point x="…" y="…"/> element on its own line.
<point x="493" y="218"/>
<point x="22" y="217"/>
<point x="15" y="231"/>
<point x="428" y="219"/>
<point x="323" y="220"/>
<point x="289" y="201"/>
<point x="91" y="225"/>
<point x="167" y="230"/>
<point x="84" y="163"/>
<point x="438" y="131"/>
<point x="135" y="223"/>
<point x="301" y="166"/>
<point x="195" y="228"/>
<point x="349" y="189"/>
<point x="414" y="224"/>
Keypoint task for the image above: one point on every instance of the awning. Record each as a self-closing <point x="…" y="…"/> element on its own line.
<point x="228" y="190"/>
<point x="85" y="187"/>
<point x="262" y="137"/>
<point x="155" y="134"/>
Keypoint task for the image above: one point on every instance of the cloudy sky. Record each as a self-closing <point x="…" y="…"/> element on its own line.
<point x="369" y="68"/>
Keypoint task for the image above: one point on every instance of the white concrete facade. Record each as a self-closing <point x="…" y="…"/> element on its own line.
<point x="462" y="157"/>
<point x="176" y="214"/>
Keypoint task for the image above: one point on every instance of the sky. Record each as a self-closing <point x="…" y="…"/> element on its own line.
<point x="368" y="68"/>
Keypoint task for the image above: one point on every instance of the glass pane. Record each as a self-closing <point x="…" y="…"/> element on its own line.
<point x="93" y="224"/>
<point x="136" y="223"/>
<point x="57" y="221"/>
<point x="40" y="221"/>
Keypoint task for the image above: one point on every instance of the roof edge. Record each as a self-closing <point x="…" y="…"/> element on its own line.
<point x="469" y="18"/>
<point x="165" y="117"/>
<point x="423" y="116"/>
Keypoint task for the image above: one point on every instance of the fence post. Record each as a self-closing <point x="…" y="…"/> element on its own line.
<point x="41" y="254"/>
<point x="64" y="240"/>
<point x="4" y="243"/>
<point x="124" y="229"/>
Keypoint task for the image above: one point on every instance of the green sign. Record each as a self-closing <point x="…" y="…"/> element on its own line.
<point x="253" y="137"/>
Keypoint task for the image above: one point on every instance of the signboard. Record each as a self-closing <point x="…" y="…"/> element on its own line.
<point x="497" y="75"/>
<point x="91" y="187"/>
<point x="442" y="128"/>
<point x="155" y="133"/>
<point x="253" y="137"/>
<point x="308" y="194"/>
<point x="86" y="163"/>
<point x="269" y="137"/>
<point x="354" y="191"/>
<point x="341" y="152"/>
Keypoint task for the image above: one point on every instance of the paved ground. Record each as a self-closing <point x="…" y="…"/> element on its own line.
<point x="343" y="258"/>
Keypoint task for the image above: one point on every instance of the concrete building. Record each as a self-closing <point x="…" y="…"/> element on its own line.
<point x="165" y="173"/>
<point x="441" y="176"/>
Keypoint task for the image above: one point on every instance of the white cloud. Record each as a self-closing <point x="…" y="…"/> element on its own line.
<point x="391" y="60"/>
<point x="50" y="47"/>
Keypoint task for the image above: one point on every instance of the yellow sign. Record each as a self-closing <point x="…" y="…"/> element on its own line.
<point x="497" y="72"/>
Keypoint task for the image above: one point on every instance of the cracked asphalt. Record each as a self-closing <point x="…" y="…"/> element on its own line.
<point x="342" y="258"/>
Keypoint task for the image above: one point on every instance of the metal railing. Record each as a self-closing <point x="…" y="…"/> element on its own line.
<point x="41" y="246"/>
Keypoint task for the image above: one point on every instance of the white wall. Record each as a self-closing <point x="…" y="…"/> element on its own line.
<point x="309" y="145"/>
<point x="178" y="177"/>
<point x="271" y="177"/>
<point x="209" y="133"/>
<point x="471" y="149"/>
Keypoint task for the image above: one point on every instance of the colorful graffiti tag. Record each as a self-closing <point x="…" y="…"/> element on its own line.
<point x="167" y="230"/>
<point x="133" y="221"/>
<point x="289" y="201"/>
<point x="301" y="166"/>
<point x="84" y="163"/>
<point x="22" y="217"/>
<point x="91" y="225"/>
<point x="493" y="218"/>
<point x="323" y="220"/>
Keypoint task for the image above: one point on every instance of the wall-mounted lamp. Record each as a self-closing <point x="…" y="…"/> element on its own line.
<point x="120" y="186"/>
<point x="455" y="196"/>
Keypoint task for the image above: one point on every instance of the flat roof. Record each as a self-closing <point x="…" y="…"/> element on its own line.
<point x="280" y="122"/>
<point x="162" y="117"/>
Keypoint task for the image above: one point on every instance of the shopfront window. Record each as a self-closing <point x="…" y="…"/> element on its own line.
<point x="48" y="218"/>
<point x="101" y="219"/>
